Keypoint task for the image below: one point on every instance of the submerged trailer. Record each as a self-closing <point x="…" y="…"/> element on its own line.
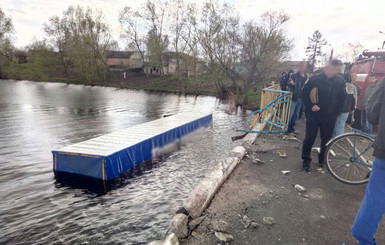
<point x="110" y="155"/>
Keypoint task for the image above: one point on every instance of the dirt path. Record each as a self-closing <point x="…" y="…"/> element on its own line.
<point x="322" y="215"/>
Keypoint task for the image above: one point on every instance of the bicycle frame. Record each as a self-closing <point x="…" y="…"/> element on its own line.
<point x="356" y="157"/>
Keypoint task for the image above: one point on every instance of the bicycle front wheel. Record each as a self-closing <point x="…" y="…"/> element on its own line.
<point x="349" y="158"/>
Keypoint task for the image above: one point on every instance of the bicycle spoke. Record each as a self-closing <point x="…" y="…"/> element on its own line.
<point x="343" y="165"/>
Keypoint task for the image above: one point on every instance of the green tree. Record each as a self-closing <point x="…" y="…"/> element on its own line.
<point x="82" y="38"/>
<point x="6" y="47"/>
<point x="42" y="61"/>
<point x="314" y="49"/>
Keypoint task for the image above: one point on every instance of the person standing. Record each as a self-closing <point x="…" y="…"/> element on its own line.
<point x="373" y="206"/>
<point x="348" y="107"/>
<point x="282" y="81"/>
<point x="323" y="96"/>
<point x="295" y="86"/>
<point x="288" y="77"/>
<point x="366" y="125"/>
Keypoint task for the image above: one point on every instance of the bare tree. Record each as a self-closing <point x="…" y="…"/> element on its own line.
<point x="351" y="52"/>
<point x="133" y="26"/>
<point x="245" y="54"/>
<point x="157" y="42"/>
<point x="57" y="31"/>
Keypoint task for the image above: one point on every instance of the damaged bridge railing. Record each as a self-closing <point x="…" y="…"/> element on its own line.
<point x="274" y="112"/>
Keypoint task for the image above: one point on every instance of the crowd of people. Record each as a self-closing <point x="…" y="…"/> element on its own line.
<point x="327" y="98"/>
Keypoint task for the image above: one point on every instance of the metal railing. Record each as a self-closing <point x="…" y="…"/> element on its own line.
<point x="274" y="112"/>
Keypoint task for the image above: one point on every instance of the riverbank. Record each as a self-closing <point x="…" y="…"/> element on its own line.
<point x="259" y="205"/>
<point x="200" y="85"/>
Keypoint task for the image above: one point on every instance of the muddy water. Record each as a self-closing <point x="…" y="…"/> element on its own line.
<point x="37" y="208"/>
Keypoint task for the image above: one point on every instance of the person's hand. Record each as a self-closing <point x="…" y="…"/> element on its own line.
<point x="292" y="83"/>
<point x="315" y="108"/>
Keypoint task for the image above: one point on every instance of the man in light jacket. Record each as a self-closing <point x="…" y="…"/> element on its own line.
<point x="373" y="206"/>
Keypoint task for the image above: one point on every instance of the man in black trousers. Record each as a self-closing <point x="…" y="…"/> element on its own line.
<point x="323" y="96"/>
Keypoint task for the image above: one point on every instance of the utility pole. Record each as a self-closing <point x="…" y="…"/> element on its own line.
<point x="383" y="44"/>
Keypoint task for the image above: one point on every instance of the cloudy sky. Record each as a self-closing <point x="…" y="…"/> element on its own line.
<point x="341" y="21"/>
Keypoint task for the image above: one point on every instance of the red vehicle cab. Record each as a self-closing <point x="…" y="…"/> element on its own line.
<point x="372" y="62"/>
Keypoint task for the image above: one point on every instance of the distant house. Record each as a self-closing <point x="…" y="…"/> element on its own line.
<point x="188" y="65"/>
<point x="124" y="59"/>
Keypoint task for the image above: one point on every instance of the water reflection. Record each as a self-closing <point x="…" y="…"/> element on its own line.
<point x="36" y="208"/>
<point x="100" y="187"/>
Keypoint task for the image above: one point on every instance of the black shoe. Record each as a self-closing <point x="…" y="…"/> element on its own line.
<point x="306" y="166"/>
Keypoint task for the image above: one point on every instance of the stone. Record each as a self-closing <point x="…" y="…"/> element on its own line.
<point x="299" y="188"/>
<point x="322" y="216"/>
<point x="268" y="221"/>
<point x="169" y="240"/>
<point x="320" y="170"/>
<point x="282" y="153"/>
<point x="246" y="221"/>
<point x="195" y="222"/>
<point x="306" y="196"/>
<point x="220" y="225"/>
<point x="265" y="202"/>
<point x="255" y="225"/>
<point x="256" y="160"/>
<point x="179" y="225"/>
<point x="286" y="172"/>
<point x="224" y="237"/>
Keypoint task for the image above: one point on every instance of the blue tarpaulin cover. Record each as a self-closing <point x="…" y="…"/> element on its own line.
<point x="110" y="155"/>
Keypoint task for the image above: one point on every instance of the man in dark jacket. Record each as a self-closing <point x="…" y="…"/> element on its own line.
<point x="295" y="86"/>
<point x="373" y="206"/>
<point x="323" y="95"/>
<point x="282" y="81"/>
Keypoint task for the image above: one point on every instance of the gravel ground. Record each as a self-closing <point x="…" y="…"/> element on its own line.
<point x="323" y="214"/>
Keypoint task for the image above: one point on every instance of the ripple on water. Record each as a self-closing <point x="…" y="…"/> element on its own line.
<point x="36" y="208"/>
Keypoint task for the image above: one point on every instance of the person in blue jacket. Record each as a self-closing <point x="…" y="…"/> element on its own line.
<point x="373" y="206"/>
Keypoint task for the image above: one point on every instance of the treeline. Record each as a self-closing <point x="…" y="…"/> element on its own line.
<point x="237" y="55"/>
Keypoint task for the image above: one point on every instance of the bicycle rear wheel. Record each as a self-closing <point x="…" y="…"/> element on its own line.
<point x="340" y="158"/>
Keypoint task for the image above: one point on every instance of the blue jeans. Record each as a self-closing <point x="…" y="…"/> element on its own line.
<point x="339" y="128"/>
<point x="294" y="114"/>
<point x="372" y="207"/>
<point x="366" y="126"/>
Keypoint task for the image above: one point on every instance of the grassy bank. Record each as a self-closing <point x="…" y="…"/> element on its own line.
<point x="200" y="85"/>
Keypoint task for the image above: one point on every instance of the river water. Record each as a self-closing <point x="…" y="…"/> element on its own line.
<point x="37" y="208"/>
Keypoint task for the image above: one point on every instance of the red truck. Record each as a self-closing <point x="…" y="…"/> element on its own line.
<point x="372" y="62"/>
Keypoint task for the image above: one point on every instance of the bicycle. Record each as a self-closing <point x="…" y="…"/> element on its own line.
<point x="349" y="157"/>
